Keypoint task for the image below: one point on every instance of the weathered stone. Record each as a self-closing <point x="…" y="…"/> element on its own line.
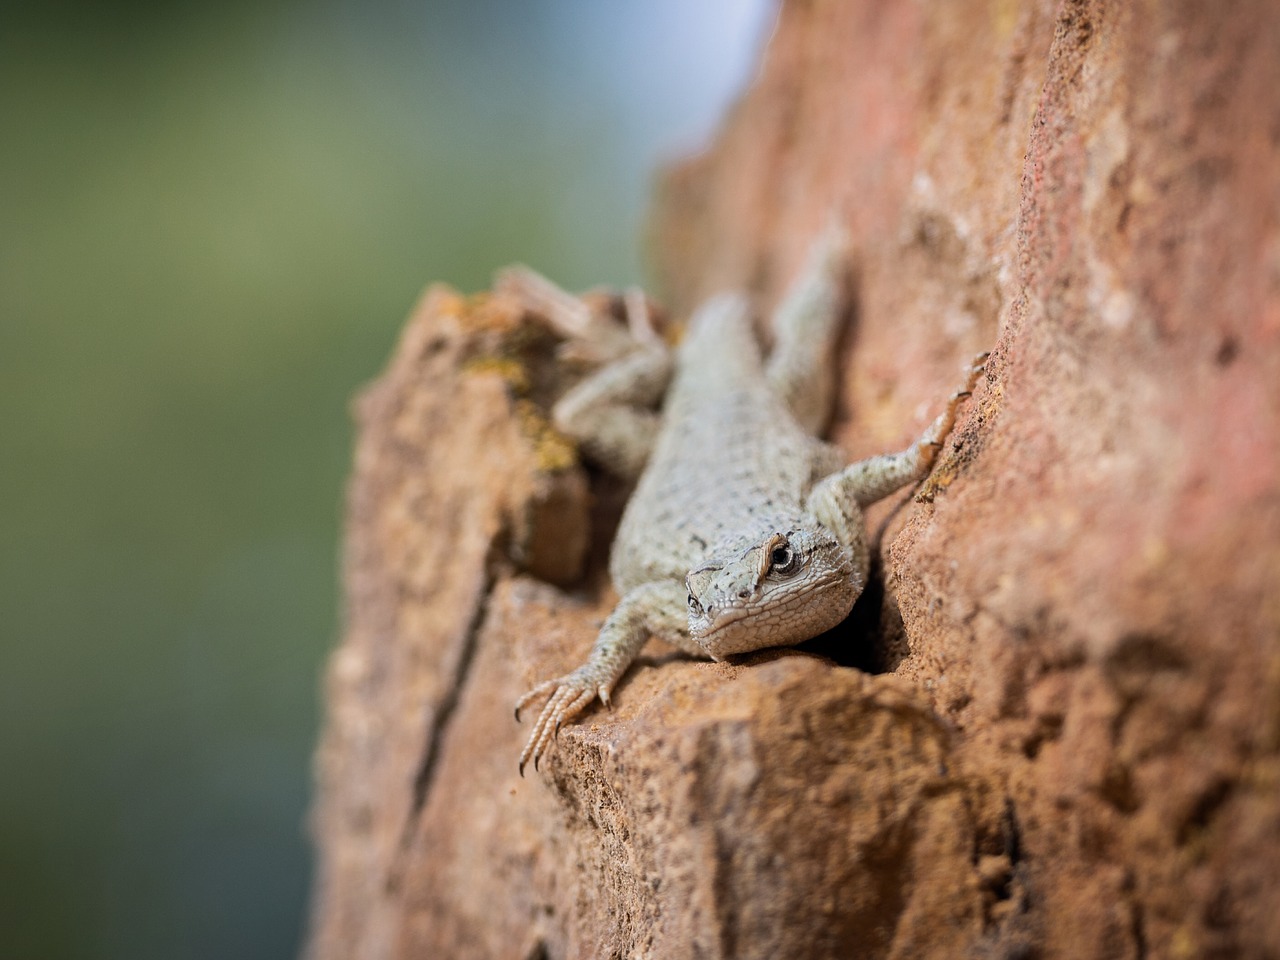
<point x="1078" y="752"/>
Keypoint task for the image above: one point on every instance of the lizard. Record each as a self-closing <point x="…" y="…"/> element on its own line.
<point x="745" y="529"/>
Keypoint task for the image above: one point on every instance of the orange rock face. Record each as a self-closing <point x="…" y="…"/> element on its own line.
<point x="1072" y="745"/>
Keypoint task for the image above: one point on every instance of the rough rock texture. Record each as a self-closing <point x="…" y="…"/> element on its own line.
<point x="1074" y="747"/>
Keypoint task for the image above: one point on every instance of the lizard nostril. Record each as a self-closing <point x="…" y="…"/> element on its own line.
<point x="743" y="594"/>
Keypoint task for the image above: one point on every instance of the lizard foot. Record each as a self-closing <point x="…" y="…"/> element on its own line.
<point x="570" y="695"/>
<point x="977" y="367"/>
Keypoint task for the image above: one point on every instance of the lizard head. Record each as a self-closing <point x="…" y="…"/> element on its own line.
<point x="782" y="589"/>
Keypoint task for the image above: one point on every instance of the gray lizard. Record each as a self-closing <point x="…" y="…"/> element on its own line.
<point x="745" y="530"/>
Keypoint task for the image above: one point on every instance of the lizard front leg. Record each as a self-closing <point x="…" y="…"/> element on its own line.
<point x="653" y="609"/>
<point x="837" y="500"/>
<point x="875" y="478"/>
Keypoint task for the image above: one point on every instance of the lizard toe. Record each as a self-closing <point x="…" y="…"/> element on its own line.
<point x="571" y="695"/>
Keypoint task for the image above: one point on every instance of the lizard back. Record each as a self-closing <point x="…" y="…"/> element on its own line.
<point x="730" y="462"/>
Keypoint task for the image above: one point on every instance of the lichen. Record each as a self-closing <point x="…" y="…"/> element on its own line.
<point x="490" y="311"/>
<point x="510" y="370"/>
<point x="552" y="450"/>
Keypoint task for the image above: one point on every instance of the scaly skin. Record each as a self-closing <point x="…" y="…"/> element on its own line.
<point x="745" y="531"/>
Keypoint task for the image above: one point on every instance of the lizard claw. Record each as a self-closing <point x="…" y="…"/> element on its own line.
<point x="570" y="695"/>
<point x="976" y="368"/>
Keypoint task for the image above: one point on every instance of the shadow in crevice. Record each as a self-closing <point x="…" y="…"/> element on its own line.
<point x="871" y="638"/>
<point x="609" y="495"/>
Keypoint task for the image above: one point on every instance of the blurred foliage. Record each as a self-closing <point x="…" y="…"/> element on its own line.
<point x="214" y="219"/>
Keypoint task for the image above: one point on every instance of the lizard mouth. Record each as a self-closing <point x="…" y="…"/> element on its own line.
<point x="723" y="633"/>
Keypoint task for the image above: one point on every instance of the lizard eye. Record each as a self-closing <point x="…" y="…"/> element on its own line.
<point x="694" y="606"/>
<point x="783" y="560"/>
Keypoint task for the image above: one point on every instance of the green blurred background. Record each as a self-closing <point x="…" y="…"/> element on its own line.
<point x="213" y="220"/>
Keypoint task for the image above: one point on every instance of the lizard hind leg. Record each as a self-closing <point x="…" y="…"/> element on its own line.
<point x="806" y="327"/>
<point x="610" y="413"/>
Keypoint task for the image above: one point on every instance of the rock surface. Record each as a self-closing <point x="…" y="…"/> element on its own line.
<point x="1072" y="746"/>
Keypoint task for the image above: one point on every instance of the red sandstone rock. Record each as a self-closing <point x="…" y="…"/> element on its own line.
<point x="1078" y="752"/>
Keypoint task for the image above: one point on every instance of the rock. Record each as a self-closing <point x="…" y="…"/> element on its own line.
<point x="1073" y="745"/>
<point x="453" y="471"/>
